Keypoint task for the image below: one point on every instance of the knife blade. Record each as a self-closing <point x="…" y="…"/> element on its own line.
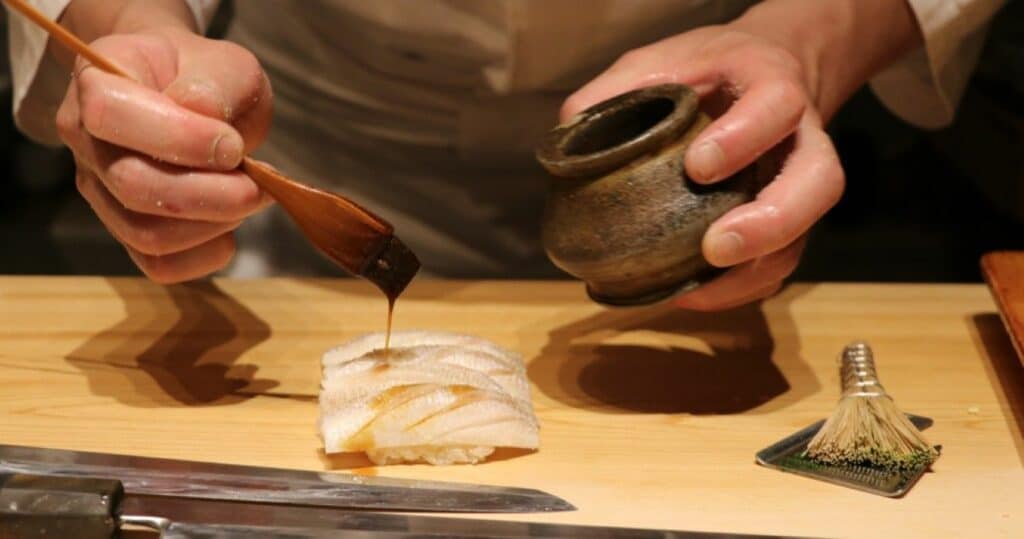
<point x="45" y="506"/>
<point x="315" y="522"/>
<point x="204" y="480"/>
<point x="40" y="506"/>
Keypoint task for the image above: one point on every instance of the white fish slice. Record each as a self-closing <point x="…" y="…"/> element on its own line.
<point x="369" y="384"/>
<point x="442" y="398"/>
<point x="434" y="362"/>
<point x="366" y="344"/>
<point x="428" y="414"/>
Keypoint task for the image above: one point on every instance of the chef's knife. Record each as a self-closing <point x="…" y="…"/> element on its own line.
<point x="48" y="506"/>
<point x="189" y="479"/>
<point x="34" y="507"/>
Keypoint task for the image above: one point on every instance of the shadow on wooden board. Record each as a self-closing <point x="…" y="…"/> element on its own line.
<point x="663" y="359"/>
<point x="176" y="345"/>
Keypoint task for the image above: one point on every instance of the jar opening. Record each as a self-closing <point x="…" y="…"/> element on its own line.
<point x="618" y="126"/>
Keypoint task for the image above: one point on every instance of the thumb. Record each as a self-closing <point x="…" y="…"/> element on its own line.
<point x="624" y="76"/>
<point x="149" y="60"/>
<point x="128" y="113"/>
<point x="648" y="66"/>
<point x="224" y="81"/>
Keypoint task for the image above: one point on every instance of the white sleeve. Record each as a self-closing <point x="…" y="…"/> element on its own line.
<point x="39" y="81"/>
<point x="925" y="87"/>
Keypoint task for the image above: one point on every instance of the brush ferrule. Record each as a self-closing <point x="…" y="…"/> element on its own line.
<point x="857" y="372"/>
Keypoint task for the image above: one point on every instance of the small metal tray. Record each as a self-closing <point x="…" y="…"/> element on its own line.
<point x="786" y="455"/>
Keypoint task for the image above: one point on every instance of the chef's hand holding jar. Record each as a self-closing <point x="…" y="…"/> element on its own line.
<point x="786" y="66"/>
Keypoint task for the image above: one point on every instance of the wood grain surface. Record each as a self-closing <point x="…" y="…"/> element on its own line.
<point x="1004" y="272"/>
<point x="650" y="417"/>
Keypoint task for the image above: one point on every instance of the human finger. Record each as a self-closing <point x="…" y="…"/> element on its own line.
<point x="746" y="282"/>
<point x="764" y="115"/>
<point x="810" y="183"/>
<point x="143" y="185"/>
<point x="222" y="80"/>
<point x="732" y="302"/>
<point x="125" y="113"/>
<point x="193" y="263"/>
<point x="647" y="66"/>
<point x="149" y="234"/>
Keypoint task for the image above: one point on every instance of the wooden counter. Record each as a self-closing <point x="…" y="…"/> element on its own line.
<point x="649" y="417"/>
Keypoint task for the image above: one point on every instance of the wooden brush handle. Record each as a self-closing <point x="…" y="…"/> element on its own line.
<point x="281" y="187"/>
<point x="857" y="372"/>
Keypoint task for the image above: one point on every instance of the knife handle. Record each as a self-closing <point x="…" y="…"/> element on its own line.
<point x="48" y="506"/>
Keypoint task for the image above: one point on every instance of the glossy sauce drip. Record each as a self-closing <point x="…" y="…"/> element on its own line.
<point x="392" y="269"/>
<point x="387" y="334"/>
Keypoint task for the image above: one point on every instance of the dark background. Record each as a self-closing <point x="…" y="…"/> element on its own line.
<point x="919" y="205"/>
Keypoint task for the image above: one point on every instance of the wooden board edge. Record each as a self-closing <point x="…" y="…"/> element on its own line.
<point x="994" y="267"/>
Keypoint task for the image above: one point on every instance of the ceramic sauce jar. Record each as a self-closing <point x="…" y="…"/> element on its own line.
<point x="621" y="214"/>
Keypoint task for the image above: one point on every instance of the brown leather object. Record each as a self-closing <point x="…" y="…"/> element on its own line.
<point x="1004" y="272"/>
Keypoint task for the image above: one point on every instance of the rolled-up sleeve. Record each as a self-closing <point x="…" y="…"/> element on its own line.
<point x="38" y="80"/>
<point x="925" y="87"/>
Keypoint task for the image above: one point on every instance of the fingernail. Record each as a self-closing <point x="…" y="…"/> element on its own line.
<point x="227" y="150"/>
<point x="725" y="249"/>
<point x="704" y="161"/>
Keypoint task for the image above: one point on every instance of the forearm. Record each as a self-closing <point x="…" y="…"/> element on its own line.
<point x="840" y="43"/>
<point x="93" y="19"/>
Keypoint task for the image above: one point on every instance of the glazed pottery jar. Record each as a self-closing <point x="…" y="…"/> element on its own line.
<point x="621" y="214"/>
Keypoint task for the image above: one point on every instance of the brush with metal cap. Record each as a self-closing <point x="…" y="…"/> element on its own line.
<point x="867" y="429"/>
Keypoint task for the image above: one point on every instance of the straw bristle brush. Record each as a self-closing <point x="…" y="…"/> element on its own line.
<point x="867" y="429"/>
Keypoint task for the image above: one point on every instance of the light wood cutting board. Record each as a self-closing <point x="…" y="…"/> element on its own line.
<point x="649" y="417"/>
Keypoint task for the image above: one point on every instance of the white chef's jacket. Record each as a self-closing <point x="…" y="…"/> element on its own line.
<point x="426" y="111"/>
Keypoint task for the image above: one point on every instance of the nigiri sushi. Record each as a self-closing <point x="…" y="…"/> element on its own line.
<point x="437" y="397"/>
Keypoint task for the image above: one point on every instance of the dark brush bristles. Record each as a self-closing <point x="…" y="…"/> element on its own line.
<point x="867" y="428"/>
<point x="393" y="267"/>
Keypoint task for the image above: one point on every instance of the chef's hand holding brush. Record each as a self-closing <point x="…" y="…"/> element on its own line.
<point x="157" y="157"/>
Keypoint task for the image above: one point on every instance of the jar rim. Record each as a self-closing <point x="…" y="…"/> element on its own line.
<point x="614" y="132"/>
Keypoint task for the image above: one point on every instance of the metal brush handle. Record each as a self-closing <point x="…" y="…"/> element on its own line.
<point x="857" y="372"/>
